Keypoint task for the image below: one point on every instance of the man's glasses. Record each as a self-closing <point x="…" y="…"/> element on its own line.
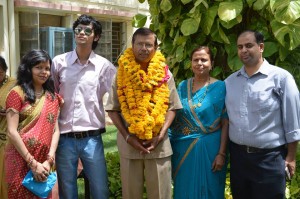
<point x="87" y="30"/>
<point x="141" y="45"/>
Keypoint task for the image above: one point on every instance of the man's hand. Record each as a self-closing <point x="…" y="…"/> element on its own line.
<point x="291" y="165"/>
<point x="136" y="143"/>
<point x="150" y="145"/>
<point x="290" y="160"/>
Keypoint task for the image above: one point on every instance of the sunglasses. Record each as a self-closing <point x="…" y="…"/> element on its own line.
<point x="87" y="30"/>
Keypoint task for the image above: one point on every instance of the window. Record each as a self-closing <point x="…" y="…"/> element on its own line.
<point x="56" y="40"/>
<point x="112" y="41"/>
<point x="42" y="31"/>
<point x="29" y="32"/>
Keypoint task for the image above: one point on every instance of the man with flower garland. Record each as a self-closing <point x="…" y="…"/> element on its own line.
<point x="142" y="104"/>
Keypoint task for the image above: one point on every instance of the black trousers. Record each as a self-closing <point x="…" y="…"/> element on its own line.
<point x="257" y="175"/>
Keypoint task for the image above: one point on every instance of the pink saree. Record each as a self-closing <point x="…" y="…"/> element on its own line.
<point x="36" y="127"/>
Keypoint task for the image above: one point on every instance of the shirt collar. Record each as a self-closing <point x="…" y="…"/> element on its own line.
<point x="74" y="57"/>
<point x="263" y="69"/>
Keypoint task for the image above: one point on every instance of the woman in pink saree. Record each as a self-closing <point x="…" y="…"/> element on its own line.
<point x="32" y="109"/>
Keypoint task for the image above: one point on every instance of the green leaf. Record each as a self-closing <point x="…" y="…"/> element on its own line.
<point x="270" y="49"/>
<point x="139" y="20"/>
<point x="283" y="53"/>
<point x="179" y="53"/>
<point x="230" y="10"/>
<point x="196" y="5"/>
<point x="223" y="36"/>
<point x="141" y="1"/>
<point x="232" y="22"/>
<point x="215" y="36"/>
<point x="285" y="11"/>
<point x="189" y="26"/>
<point x="216" y="71"/>
<point x="173" y="15"/>
<point x="187" y="64"/>
<point x="154" y="8"/>
<point x="196" y="14"/>
<point x="185" y="1"/>
<point x="218" y="35"/>
<point x="209" y="18"/>
<point x="250" y="2"/>
<point x="231" y="49"/>
<point x="260" y="4"/>
<point x="175" y="71"/>
<point x="180" y="41"/>
<point x="234" y="63"/>
<point x="165" y="5"/>
<point x="287" y="35"/>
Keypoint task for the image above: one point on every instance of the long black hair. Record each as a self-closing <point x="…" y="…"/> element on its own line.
<point x="24" y="75"/>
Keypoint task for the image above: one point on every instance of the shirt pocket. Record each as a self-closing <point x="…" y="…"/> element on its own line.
<point x="264" y="101"/>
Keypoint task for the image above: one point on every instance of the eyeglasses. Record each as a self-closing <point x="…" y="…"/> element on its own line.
<point x="87" y="30"/>
<point x="147" y="45"/>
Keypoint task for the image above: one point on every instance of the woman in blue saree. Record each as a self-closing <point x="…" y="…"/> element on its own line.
<point x="199" y="133"/>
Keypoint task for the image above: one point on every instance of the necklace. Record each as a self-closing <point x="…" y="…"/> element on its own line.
<point x="39" y="94"/>
<point x="200" y="100"/>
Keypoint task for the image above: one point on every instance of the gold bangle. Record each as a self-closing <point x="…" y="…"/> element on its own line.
<point x="127" y="137"/>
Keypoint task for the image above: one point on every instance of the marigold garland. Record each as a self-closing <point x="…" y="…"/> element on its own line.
<point x="144" y="97"/>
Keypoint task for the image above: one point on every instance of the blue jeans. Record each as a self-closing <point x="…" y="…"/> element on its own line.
<point x="90" y="151"/>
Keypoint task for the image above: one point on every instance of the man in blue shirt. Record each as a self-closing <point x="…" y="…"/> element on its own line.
<point x="263" y="106"/>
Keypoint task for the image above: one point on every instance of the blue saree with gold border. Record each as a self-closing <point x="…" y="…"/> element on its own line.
<point x="195" y="136"/>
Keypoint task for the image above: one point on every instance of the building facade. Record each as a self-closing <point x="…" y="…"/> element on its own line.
<point x="47" y="24"/>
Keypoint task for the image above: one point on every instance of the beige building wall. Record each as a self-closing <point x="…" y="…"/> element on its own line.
<point x="60" y="13"/>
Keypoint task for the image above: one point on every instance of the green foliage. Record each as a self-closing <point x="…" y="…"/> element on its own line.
<point x="293" y="186"/>
<point x="114" y="176"/>
<point x="109" y="139"/>
<point x="182" y="25"/>
<point x="139" y="20"/>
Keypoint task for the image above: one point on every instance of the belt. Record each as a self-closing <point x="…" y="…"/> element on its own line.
<point x="250" y="149"/>
<point x="84" y="134"/>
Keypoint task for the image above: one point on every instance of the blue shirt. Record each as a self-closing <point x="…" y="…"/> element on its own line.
<point x="264" y="109"/>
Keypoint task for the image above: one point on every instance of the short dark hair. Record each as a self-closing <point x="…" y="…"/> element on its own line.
<point x="207" y="49"/>
<point x="87" y="20"/>
<point x="145" y="32"/>
<point x="24" y="74"/>
<point x="259" y="37"/>
<point x="3" y="64"/>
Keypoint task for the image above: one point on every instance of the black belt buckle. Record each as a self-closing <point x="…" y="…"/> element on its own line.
<point x="80" y="134"/>
<point x="250" y="149"/>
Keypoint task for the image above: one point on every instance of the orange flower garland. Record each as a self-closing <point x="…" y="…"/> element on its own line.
<point x="144" y="97"/>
